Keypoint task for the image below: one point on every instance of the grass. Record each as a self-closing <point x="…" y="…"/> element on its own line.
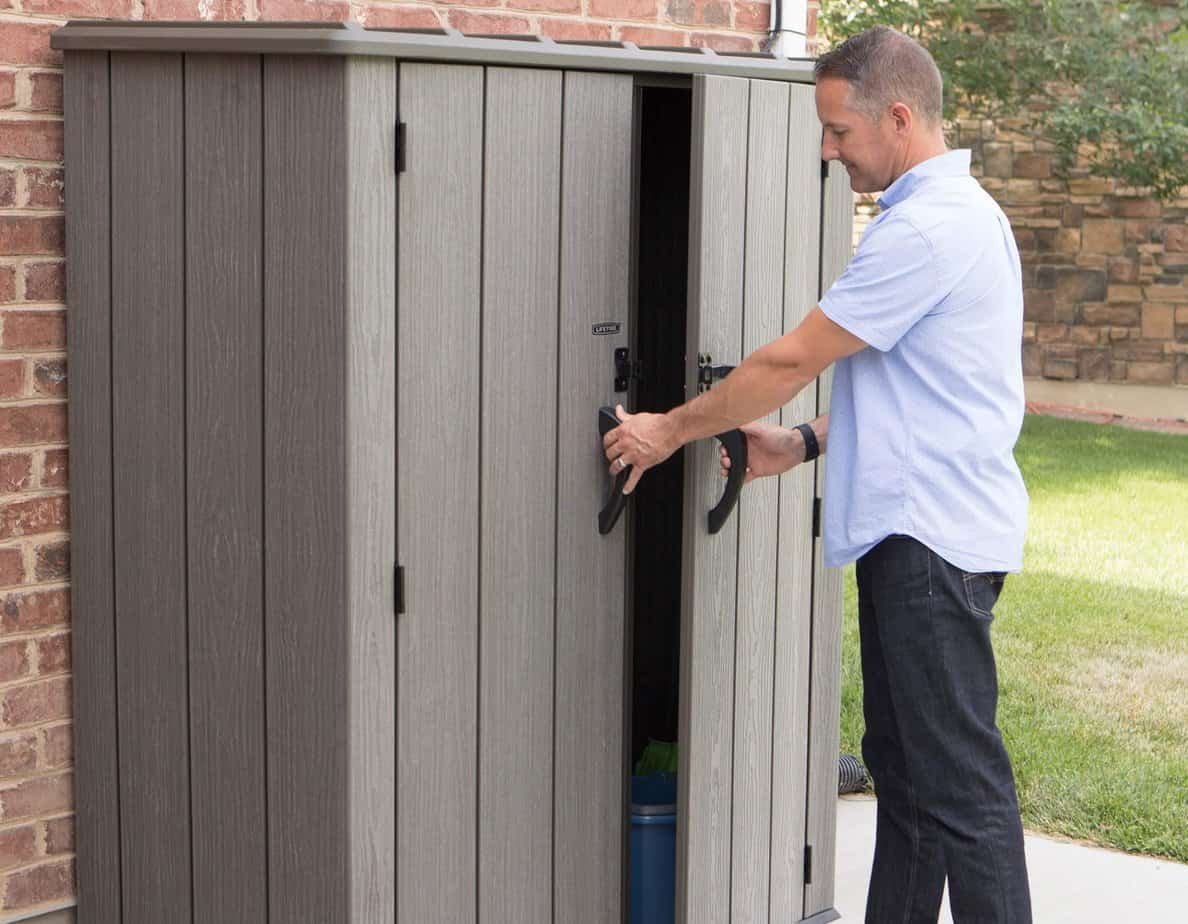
<point x="1092" y="639"/>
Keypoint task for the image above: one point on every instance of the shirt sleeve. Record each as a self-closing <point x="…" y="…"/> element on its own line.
<point x="890" y="284"/>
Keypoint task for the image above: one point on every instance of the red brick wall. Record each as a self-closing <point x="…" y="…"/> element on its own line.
<point x="36" y="829"/>
<point x="36" y="834"/>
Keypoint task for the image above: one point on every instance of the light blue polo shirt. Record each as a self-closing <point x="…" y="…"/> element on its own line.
<point x="923" y="425"/>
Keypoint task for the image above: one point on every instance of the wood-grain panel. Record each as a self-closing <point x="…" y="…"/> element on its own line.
<point x="224" y="422"/>
<point x="148" y="483"/>
<point x="370" y="552"/>
<point x="88" y="298"/>
<point x="588" y="804"/>
<point x="521" y="210"/>
<point x="824" y="718"/>
<point x="758" y="517"/>
<point x="438" y="423"/>
<point x="801" y="258"/>
<point x="716" y="290"/>
<point x="305" y="471"/>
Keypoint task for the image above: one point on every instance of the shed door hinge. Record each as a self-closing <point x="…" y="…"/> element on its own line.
<point x="816" y="517"/>
<point x="398" y="585"/>
<point x="400" y="147"/>
<point x="808" y="864"/>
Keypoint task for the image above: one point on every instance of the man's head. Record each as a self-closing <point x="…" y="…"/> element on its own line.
<point x="879" y="102"/>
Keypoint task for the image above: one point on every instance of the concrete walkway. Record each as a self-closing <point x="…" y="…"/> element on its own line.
<point x="1070" y="883"/>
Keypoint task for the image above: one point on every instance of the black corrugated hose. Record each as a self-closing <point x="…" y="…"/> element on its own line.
<point x="851" y="775"/>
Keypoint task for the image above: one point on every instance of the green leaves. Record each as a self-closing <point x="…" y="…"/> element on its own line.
<point x="1099" y="78"/>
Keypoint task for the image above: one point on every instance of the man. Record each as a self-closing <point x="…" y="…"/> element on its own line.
<point x="922" y="489"/>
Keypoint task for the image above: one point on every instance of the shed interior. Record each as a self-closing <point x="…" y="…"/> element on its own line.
<point x="662" y="253"/>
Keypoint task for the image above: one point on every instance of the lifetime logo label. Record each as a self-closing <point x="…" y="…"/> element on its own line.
<point x="606" y="328"/>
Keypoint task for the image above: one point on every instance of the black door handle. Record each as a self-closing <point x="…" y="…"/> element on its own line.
<point x="735" y="442"/>
<point x="609" y="515"/>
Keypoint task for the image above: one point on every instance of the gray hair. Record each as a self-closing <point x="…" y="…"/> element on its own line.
<point x="884" y="67"/>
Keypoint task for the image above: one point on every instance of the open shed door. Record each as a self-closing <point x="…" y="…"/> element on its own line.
<point x="513" y="260"/>
<point x="747" y="600"/>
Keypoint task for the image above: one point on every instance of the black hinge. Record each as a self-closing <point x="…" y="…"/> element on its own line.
<point x="808" y="864"/>
<point x="708" y="373"/>
<point x="816" y="517"/>
<point x="824" y="169"/>
<point x="399" y="589"/>
<point x="626" y="369"/>
<point x="400" y="147"/>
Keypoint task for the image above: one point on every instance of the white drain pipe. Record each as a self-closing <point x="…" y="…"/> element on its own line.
<point x="789" y="28"/>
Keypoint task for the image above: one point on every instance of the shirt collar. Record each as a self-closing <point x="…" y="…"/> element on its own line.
<point x="951" y="163"/>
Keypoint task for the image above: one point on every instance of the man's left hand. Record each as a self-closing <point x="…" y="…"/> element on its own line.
<point x="641" y="441"/>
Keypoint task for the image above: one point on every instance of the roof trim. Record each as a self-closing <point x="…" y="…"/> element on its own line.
<point x="419" y="45"/>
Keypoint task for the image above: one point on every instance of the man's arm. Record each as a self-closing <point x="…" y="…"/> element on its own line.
<point x="767" y="379"/>
<point x="773" y="450"/>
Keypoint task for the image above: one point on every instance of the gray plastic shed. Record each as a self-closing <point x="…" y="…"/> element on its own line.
<point x="349" y="645"/>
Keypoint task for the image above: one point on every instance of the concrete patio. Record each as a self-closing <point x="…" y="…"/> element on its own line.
<point x="1070" y="883"/>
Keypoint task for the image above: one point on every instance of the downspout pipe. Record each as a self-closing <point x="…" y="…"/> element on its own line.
<point x="789" y="28"/>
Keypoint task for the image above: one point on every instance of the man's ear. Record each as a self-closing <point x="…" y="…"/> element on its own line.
<point x="903" y="117"/>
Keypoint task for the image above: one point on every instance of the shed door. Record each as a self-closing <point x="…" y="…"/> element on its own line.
<point x="746" y="630"/>
<point x="513" y="240"/>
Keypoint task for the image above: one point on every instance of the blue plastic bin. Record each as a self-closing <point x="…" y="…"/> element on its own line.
<point x="653" y="848"/>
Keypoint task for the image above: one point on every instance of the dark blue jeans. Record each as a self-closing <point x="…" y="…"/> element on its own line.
<point x="946" y="793"/>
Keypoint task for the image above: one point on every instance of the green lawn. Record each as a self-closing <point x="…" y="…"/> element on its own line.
<point x="1092" y="639"/>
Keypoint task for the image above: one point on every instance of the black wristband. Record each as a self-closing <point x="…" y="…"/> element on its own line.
<point x="812" y="448"/>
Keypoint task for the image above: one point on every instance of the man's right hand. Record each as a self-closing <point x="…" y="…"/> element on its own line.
<point x="771" y="450"/>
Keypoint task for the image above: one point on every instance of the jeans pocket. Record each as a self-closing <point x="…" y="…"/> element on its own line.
<point x="982" y="590"/>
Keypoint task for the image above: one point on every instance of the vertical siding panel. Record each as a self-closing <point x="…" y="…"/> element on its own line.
<point x="438" y="402"/>
<point x="519" y="439"/>
<point x="88" y="291"/>
<point x="305" y="648"/>
<point x="758" y="519"/>
<point x="148" y="436"/>
<point x="716" y="239"/>
<point x="588" y="803"/>
<point x="225" y="473"/>
<point x="371" y="485"/>
<point x="789" y="766"/>
<point x="824" y="730"/>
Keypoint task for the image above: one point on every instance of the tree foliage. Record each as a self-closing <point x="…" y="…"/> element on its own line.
<point x="1104" y="80"/>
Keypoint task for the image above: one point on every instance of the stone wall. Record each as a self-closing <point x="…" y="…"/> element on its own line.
<point x="1105" y="268"/>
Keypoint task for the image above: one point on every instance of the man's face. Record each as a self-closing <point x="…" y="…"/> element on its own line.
<point x="869" y="150"/>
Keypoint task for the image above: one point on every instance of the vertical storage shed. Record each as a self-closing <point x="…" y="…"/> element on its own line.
<point x="349" y="645"/>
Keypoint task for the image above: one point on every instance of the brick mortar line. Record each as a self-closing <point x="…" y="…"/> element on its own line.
<point x="7" y="115"/>
<point x="34" y="678"/>
<point x="11" y="783"/>
<point x="30" y="681"/>
<point x="17" y="780"/>
<point x="34" y="213"/>
<point x="35" y="16"/>
<point x="30" y="402"/>
<point x="28" y="914"/>
<point x="59" y="534"/>
<point x="41" y="861"/>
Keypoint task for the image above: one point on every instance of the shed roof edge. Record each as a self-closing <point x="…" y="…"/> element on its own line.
<point x="448" y="45"/>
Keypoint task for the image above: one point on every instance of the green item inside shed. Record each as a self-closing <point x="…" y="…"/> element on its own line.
<point x="657" y="757"/>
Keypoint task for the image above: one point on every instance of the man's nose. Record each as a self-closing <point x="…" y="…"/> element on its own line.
<point x="829" y="151"/>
